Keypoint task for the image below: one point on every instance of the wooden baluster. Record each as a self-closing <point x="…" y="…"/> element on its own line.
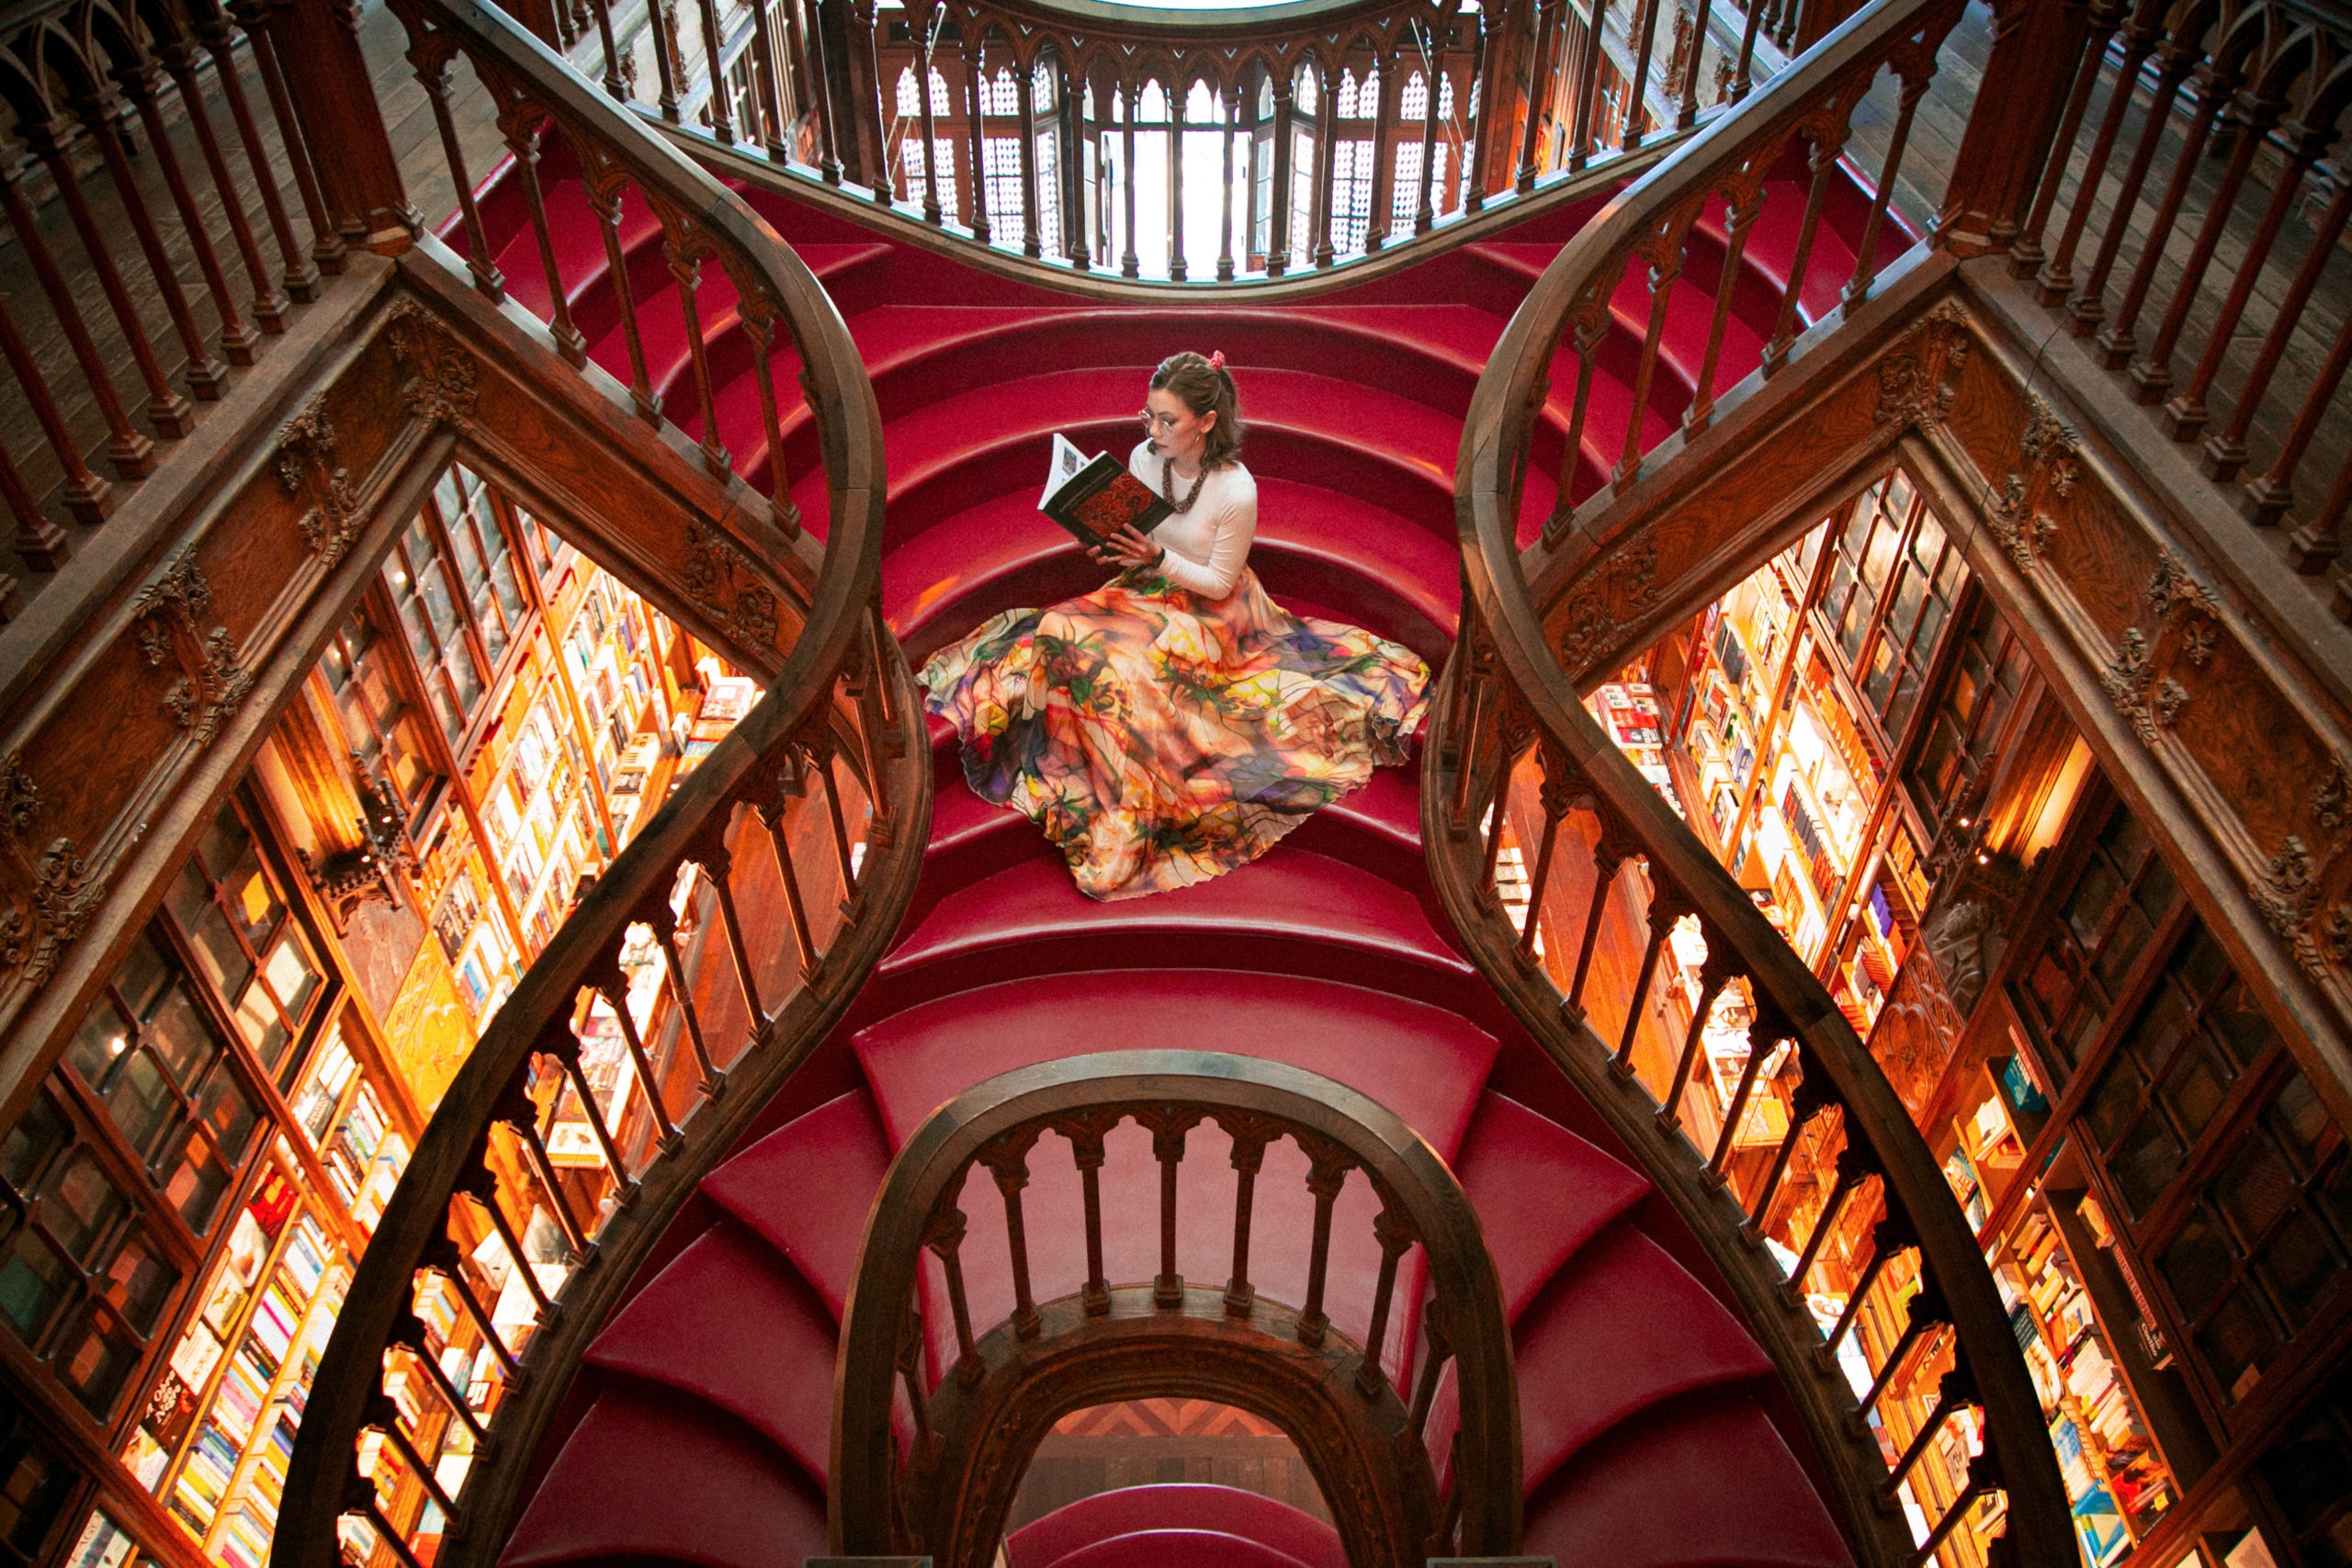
<point x="1955" y="1389"/>
<point x="1812" y="1096"/>
<point x="1686" y="113"/>
<point x="686" y="249"/>
<point x="1745" y="77"/>
<point x="168" y="412"/>
<point x="1854" y="1163"/>
<point x="1765" y="1032"/>
<point x="1557" y="793"/>
<point x="1925" y="1311"/>
<point x="1434" y="1329"/>
<point x="1547" y="25"/>
<point x="1326" y="1173"/>
<point x="88" y="498"/>
<point x="717" y="863"/>
<point x="1858" y="287"/>
<point x="1890" y="1235"/>
<point x="759" y="318"/>
<point x="615" y="86"/>
<point x="1025" y="83"/>
<point x="179" y="61"/>
<point x="1086" y="1134"/>
<point x="909" y="1362"/>
<point x="1168" y="1126"/>
<point x="2214" y="89"/>
<point x="301" y="279"/>
<point x="2185" y="414"/>
<point x="2151" y="372"/>
<point x="1497" y="824"/>
<point x="663" y="24"/>
<point x="238" y="338"/>
<point x="1128" y="104"/>
<point x="1394" y="1234"/>
<point x="522" y="121"/>
<point x="795" y="904"/>
<point x="1784" y="331"/>
<point x="1611" y="850"/>
<point x="1590" y="323"/>
<point x="2225" y="453"/>
<point x="1178" y="269"/>
<point x="1637" y="117"/>
<point x="1007" y="1159"/>
<point x="2024" y="252"/>
<point x="1391" y="76"/>
<point x="975" y="205"/>
<point x="2270" y="495"/>
<point x="2319" y="541"/>
<point x="380" y="1414"/>
<point x="408" y="1334"/>
<point x="1667" y="907"/>
<point x="927" y="29"/>
<point x="2055" y="279"/>
<point x="765" y="99"/>
<point x="1321" y="213"/>
<point x="1228" y="102"/>
<point x="2173" y="62"/>
<point x="1251" y="1135"/>
<point x="385" y="1533"/>
<point x="442" y="1256"/>
<point x="1739" y="219"/>
<point x="1713" y="975"/>
<point x="1784" y="18"/>
<point x="1477" y="116"/>
<point x="842" y="859"/>
<point x="1278" y="204"/>
<point x="945" y="1237"/>
<point x="1434" y="74"/>
<point x="605" y="189"/>
<point x="664" y="922"/>
<point x="519" y="1114"/>
<point x="431" y="55"/>
<point x="207" y="377"/>
<point x="34" y="534"/>
<point x="614" y="988"/>
<point x="812" y="31"/>
<point x="481" y="1184"/>
<point x="560" y="1043"/>
<point x="1665" y="266"/>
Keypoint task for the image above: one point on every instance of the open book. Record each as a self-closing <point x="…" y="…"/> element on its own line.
<point x="1090" y="497"/>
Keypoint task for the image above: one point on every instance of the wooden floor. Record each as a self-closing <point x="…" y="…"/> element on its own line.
<point x="431" y="186"/>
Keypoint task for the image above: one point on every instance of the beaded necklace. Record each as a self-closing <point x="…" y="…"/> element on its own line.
<point x="1168" y="486"/>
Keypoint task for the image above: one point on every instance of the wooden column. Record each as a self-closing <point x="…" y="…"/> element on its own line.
<point x="2036" y="47"/>
<point x="359" y="177"/>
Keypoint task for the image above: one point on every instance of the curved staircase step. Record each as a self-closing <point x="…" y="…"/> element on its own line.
<point x="1179" y="1549"/>
<point x="838" y="1149"/>
<point x="1046" y="1542"/>
<point x="729" y="1323"/>
<point x="642" y="1481"/>
<point x="1714" y="1487"/>
<point x="1541" y="1192"/>
<point x="1665" y="1336"/>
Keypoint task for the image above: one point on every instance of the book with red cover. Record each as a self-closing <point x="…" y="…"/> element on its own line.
<point x="1090" y="497"/>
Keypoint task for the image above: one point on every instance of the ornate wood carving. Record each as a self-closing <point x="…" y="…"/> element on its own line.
<point x="170" y="612"/>
<point x="442" y="375"/>
<point x="306" y="464"/>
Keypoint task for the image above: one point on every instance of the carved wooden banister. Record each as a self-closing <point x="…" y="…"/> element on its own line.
<point x="1042" y="94"/>
<point x="695" y="974"/>
<point x="1513" y="757"/>
<point x="1003" y="1386"/>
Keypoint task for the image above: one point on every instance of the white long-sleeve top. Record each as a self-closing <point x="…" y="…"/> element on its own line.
<point x="1208" y="545"/>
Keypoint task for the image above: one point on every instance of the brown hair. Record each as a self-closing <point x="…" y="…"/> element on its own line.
<point x="1204" y="389"/>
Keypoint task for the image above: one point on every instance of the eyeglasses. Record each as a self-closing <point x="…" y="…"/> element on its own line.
<point x="1163" y="423"/>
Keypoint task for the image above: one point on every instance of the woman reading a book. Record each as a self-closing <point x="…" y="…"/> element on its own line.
<point x="1176" y="722"/>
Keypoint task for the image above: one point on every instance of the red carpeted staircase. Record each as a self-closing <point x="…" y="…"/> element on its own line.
<point x="1656" y="1430"/>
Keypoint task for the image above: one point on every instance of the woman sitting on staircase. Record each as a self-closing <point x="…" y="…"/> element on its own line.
<point x="1176" y="722"/>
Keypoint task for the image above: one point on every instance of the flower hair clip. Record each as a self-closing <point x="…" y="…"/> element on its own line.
<point x="1217" y="359"/>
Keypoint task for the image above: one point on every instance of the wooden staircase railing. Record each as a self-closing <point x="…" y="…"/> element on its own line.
<point x="763" y="893"/>
<point x="1509" y="734"/>
<point x="948" y="1494"/>
<point x="1336" y="132"/>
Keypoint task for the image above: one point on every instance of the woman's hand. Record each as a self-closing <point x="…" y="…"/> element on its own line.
<point x="1127" y="548"/>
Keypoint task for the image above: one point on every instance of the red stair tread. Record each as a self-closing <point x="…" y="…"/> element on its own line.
<point x="1046" y="1542"/>
<point x="839" y="1149"/>
<point x="1290" y="892"/>
<point x="727" y="1323"/>
<point x="1663" y="1333"/>
<point x="1178" y="1549"/>
<point x="1422" y="1063"/>
<point x="1540" y="1192"/>
<point x="643" y="1480"/>
<point x="1716" y="1487"/>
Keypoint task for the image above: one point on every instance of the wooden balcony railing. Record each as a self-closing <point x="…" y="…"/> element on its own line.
<point x="2183" y="124"/>
<point x="977" y="1416"/>
<point x="157" y="131"/>
<point x="1513" y="757"/>
<point x="761" y="894"/>
<point x="1141" y="145"/>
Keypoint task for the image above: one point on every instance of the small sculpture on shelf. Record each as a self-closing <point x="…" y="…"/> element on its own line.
<point x="370" y="870"/>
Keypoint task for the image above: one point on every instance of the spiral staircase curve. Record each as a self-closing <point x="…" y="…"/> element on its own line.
<point x="1656" y="1430"/>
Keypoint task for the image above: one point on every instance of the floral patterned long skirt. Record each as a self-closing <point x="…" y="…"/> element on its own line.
<point x="1159" y="739"/>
